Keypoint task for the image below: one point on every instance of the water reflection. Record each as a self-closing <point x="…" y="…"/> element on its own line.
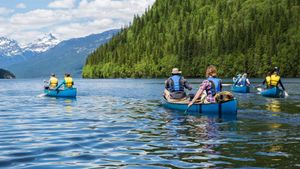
<point x="273" y="105"/>
<point x="69" y="104"/>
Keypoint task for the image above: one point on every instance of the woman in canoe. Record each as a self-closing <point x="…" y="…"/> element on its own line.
<point x="273" y="79"/>
<point x="244" y="81"/>
<point x="212" y="85"/>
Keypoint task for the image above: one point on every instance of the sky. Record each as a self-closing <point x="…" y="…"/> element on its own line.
<point x="28" y="20"/>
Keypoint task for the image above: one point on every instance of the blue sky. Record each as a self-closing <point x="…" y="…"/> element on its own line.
<point x="28" y="20"/>
<point x="31" y="4"/>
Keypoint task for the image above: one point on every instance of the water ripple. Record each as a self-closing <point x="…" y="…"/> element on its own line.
<point x="101" y="129"/>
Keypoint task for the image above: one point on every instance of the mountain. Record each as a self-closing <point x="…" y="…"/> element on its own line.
<point x="236" y="35"/>
<point x="4" y="74"/>
<point x="9" y="48"/>
<point x="12" y="53"/>
<point x="67" y="56"/>
<point x="42" y="44"/>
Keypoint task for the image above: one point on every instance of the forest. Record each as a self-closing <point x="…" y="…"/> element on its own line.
<point x="237" y="36"/>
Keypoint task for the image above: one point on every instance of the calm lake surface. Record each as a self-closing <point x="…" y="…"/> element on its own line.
<point x="120" y="123"/>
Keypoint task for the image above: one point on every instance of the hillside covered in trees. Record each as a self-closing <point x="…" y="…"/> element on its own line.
<point x="235" y="35"/>
<point x="5" y="74"/>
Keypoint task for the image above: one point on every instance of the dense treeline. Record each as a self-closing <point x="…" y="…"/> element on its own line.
<point x="5" y="74"/>
<point x="236" y="35"/>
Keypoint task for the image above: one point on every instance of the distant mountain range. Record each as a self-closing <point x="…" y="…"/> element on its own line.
<point x="42" y="44"/>
<point x="49" y="55"/>
<point x="9" y="48"/>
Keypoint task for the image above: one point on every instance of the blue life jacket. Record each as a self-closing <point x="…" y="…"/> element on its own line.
<point x="177" y="86"/>
<point x="243" y="82"/>
<point x="216" y="85"/>
<point x="237" y="80"/>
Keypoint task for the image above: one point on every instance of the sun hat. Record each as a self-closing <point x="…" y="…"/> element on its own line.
<point x="176" y="71"/>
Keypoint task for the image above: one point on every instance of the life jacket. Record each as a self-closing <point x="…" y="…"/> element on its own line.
<point x="69" y="82"/>
<point x="216" y="85"/>
<point x="243" y="82"/>
<point x="176" y="86"/>
<point x="268" y="81"/>
<point x="237" y="80"/>
<point x="274" y="80"/>
<point x="53" y="82"/>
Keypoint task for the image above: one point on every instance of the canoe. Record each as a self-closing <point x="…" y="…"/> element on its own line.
<point x="240" y="89"/>
<point x="274" y="92"/>
<point x="225" y="108"/>
<point x="70" y="92"/>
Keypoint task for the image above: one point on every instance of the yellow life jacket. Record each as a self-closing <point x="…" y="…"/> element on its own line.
<point x="268" y="81"/>
<point x="53" y="82"/>
<point x="69" y="81"/>
<point x="274" y="80"/>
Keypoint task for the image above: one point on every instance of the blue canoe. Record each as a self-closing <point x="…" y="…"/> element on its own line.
<point x="225" y="108"/>
<point x="274" y="92"/>
<point x="71" y="92"/>
<point x="240" y="89"/>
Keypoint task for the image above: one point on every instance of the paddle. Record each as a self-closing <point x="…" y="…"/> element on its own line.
<point x="57" y="88"/>
<point x="255" y="86"/>
<point x="259" y="89"/>
<point x="286" y="93"/>
<point x="185" y="112"/>
<point x="226" y="85"/>
<point x="42" y="95"/>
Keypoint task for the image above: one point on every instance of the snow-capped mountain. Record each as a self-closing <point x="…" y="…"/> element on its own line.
<point x="42" y="44"/>
<point x="9" y="47"/>
<point x="67" y="56"/>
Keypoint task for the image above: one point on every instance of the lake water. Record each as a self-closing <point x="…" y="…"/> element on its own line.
<point x="120" y="123"/>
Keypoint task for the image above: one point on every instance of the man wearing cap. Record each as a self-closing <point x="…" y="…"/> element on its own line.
<point x="175" y="85"/>
<point x="53" y="81"/>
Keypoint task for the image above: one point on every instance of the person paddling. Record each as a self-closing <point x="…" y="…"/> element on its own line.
<point x="175" y="85"/>
<point x="236" y="79"/>
<point x="244" y="81"/>
<point x="212" y="85"/>
<point x="53" y="81"/>
<point x="275" y="79"/>
<point x="267" y="80"/>
<point x="68" y="82"/>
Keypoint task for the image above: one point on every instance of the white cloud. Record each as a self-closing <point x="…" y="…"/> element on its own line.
<point x="21" y="6"/>
<point x="74" y="30"/>
<point x="40" y="18"/>
<point x="90" y="16"/>
<point x="5" y="11"/>
<point x="62" y="4"/>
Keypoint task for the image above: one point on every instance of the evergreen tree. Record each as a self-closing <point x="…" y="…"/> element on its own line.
<point x="237" y="36"/>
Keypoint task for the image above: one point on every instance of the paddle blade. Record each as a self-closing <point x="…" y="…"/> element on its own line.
<point x="42" y="95"/>
<point x="226" y="85"/>
<point x="185" y="112"/>
<point x="259" y="89"/>
<point x="286" y="94"/>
